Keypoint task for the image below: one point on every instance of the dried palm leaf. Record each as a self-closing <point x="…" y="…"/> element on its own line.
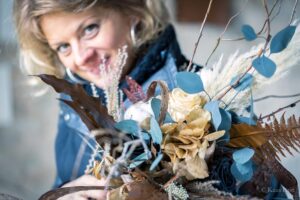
<point x="90" y="110"/>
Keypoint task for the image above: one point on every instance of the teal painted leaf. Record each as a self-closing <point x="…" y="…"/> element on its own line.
<point x="248" y="32"/>
<point x="155" y="105"/>
<point x="264" y="66"/>
<point x="242" y="172"/>
<point x="226" y="120"/>
<point x="243" y="84"/>
<point x="189" y="82"/>
<point x="225" y="125"/>
<point x="145" y="136"/>
<point x="128" y="126"/>
<point x="138" y="160"/>
<point x="281" y="40"/>
<point x="155" y="131"/>
<point x="213" y="108"/>
<point x="156" y="161"/>
<point x="243" y="155"/>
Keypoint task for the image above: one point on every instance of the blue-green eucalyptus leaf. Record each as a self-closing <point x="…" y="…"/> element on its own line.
<point x="264" y="66"/>
<point x="128" y="126"/>
<point x="156" y="161"/>
<point x="243" y="84"/>
<point x="242" y="172"/>
<point x="189" y="82"/>
<point x="281" y="40"/>
<point x="243" y="155"/>
<point x="139" y="160"/>
<point x="248" y="32"/>
<point x="155" y="105"/>
<point x="155" y="131"/>
<point x="214" y="109"/>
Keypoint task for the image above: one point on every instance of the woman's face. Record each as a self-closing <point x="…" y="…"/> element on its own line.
<point x="85" y="40"/>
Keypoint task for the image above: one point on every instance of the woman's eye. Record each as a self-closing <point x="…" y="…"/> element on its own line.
<point x="90" y="30"/>
<point x="63" y="48"/>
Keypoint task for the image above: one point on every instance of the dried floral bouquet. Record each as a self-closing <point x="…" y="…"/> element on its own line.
<point x="200" y="140"/>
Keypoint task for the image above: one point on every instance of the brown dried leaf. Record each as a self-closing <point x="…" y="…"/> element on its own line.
<point x="138" y="190"/>
<point x="244" y="135"/>
<point x="92" y="109"/>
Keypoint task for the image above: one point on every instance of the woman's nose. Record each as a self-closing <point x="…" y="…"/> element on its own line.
<point x="84" y="55"/>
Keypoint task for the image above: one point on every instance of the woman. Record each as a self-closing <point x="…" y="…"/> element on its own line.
<point x="72" y="38"/>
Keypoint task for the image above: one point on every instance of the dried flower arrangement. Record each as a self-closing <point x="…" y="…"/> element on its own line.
<point x="195" y="141"/>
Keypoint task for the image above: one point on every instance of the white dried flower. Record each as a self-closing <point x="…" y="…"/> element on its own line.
<point x="139" y="111"/>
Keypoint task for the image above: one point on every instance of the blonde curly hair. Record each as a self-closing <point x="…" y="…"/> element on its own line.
<point x="36" y="55"/>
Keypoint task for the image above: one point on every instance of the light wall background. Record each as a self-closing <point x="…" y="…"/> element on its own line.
<point x="28" y="123"/>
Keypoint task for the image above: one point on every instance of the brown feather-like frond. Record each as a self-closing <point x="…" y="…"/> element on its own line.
<point x="282" y="136"/>
<point x="273" y="139"/>
<point x="90" y="109"/>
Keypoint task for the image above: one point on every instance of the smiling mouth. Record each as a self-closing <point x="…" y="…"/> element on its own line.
<point x="100" y="68"/>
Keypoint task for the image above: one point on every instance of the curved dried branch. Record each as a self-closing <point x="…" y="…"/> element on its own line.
<point x="164" y="98"/>
<point x="200" y="35"/>
<point x="294" y="11"/>
<point x="224" y="31"/>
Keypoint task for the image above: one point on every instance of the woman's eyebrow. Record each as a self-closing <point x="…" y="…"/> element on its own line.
<point x="83" y="23"/>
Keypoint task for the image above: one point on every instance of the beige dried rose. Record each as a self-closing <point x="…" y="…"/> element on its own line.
<point x="181" y="103"/>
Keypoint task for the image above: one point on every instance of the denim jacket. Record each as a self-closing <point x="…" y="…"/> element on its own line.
<point x="75" y="148"/>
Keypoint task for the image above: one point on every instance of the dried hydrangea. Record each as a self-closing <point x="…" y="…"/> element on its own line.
<point x="187" y="141"/>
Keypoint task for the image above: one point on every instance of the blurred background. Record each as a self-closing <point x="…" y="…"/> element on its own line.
<point x="28" y="123"/>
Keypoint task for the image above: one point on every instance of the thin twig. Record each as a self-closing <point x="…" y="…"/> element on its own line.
<point x="279" y="110"/>
<point x="276" y="96"/>
<point x="268" y="24"/>
<point x="266" y="21"/>
<point x="226" y="27"/>
<point x="200" y="35"/>
<point x="259" y="32"/>
<point x="259" y="54"/>
<point x="294" y="11"/>
<point x="277" y="13"/>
